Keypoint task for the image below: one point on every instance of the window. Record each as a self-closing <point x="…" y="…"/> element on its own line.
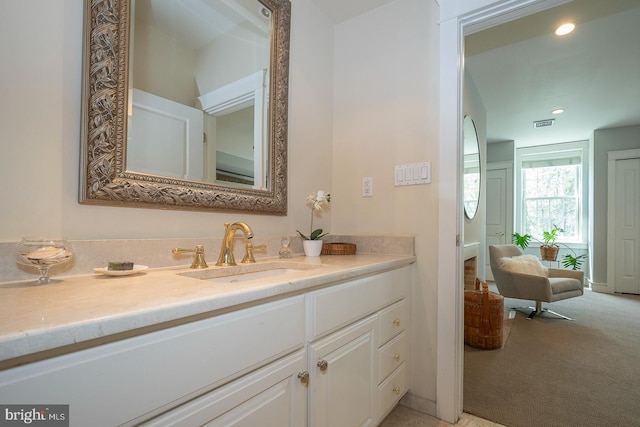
<point x="552" y="190"/>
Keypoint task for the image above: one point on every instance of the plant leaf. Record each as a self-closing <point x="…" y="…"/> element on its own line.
<point x="317" y="234"/>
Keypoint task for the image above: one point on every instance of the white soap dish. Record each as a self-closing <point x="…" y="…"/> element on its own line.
<point x="137" y="268"/>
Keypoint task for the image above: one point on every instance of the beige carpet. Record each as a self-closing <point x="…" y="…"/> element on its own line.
<point x="553" y="372"/>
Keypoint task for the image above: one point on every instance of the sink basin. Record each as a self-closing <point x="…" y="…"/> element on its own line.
<point x="246" y="272"/>
<point x="252" y="276"/>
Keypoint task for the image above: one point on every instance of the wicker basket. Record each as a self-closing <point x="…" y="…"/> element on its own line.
<point x="549" y="253"/>
<point x="483" y="317"/>
<point x="338" y="249"/>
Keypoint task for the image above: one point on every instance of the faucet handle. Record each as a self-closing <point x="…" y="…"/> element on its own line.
<point x="198" y="261"/>
<point x="248" y="256"/>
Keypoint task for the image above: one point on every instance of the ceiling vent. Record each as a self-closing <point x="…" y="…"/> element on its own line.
<point x="543" y="123"/>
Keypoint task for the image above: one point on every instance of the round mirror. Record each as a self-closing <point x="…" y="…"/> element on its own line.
<point x="471" y="168"/>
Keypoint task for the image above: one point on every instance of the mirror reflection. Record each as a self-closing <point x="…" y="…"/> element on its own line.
<point x="471" y="168"/>
<point x="185" y="104"/>
<point x="199" y="74"/>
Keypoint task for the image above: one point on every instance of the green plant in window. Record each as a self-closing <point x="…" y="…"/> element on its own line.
<point x="549" y="238"/>
<point x="521" y="240"/>
<point x="574" y="261"/>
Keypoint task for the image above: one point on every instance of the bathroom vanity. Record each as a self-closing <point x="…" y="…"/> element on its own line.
<point x="321" y="345"/>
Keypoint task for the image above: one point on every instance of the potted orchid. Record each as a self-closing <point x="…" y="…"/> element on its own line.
<point x="312" y="242"/>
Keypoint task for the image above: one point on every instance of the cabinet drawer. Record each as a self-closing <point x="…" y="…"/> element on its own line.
<point x="340" y="305"/>
<point x="391" y="390"/>
<point x="270" y="396"/>
<point x="393" y="320"/>
<point x="392" y="355"/>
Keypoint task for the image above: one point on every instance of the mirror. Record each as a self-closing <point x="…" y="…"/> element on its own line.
<point x="471" y="168"/>
<point x="185" y="104"/>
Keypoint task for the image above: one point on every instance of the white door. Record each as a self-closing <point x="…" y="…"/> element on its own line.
<point x="627" y="226"/>
<point x="342" y="382"/>
<point x="165" y="138"/>
<point x="498" y="210"/>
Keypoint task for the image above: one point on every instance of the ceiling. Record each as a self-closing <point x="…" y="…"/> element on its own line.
<point x="341" y="10"/>
<point x="523" y="71"/>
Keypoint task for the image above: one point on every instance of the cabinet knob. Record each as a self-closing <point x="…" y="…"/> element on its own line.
<point x="323" y="365"/>
<point x="304" y="377"/>
<point x="396" y="357"/>
<point x="396" y="322"/>
<point x="396" y="390"/>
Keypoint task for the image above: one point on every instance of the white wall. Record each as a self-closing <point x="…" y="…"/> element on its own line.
<point x="40" y="84"/>
<point x="386" y="114"/>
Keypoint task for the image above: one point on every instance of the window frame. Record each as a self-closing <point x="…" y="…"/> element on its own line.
<point x="551" y="152"/>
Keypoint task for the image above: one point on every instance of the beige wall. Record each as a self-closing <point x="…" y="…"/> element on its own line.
<point x="363" y="98"/>
<point x="40" y="83"/>
<point x="386" y="114"/>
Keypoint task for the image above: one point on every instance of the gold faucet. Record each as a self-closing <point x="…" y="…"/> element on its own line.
<point x="198" y="260"/>
<point x="226" y="252"/>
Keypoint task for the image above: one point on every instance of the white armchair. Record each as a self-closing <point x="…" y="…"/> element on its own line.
<point x="533" y="282"/>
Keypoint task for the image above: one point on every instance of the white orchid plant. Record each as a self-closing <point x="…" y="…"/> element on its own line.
<point x="315" y="201"/>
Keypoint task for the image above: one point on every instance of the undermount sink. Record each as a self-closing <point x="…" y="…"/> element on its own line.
<point x="246" y="272"/>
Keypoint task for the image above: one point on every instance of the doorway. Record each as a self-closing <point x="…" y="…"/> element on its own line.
<point x="624" y="222"/>
<point x="456" y="20"/>
<point x="499" y="216"/>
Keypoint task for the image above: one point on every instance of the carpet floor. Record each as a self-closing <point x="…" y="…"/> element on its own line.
<point x="553" y="372"/>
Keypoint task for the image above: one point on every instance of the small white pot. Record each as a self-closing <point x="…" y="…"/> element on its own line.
<point x="312" y="247"/>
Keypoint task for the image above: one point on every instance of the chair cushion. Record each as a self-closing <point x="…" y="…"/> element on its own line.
<point x="527" y="264"/>
<point x="564" y="284"/>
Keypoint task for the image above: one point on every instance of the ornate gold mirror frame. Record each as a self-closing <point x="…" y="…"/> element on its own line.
<point x="104" y="178"/>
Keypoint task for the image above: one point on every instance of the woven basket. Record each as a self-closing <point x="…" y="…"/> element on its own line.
<point x="549" y="253"/>
<point x="338" y="249"/>
<point x="483" y="317"/>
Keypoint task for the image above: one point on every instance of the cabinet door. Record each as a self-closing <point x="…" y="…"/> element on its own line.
<point x="271" y="396"/>
<point x="342" y="377"/>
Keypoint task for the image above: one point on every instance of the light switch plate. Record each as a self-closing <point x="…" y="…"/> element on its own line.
<point x="413" y="174"/>
<point x="367" y="187"/>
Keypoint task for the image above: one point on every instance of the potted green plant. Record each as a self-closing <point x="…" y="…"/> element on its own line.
<point x="521" y="240"/>
<point x="549" y="249"/>
<point x="572" y="261"/>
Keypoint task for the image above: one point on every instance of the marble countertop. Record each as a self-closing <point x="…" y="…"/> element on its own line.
<point x="80" y="309"/>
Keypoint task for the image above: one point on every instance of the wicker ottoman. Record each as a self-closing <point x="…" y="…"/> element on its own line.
<point x="483" y="317"/>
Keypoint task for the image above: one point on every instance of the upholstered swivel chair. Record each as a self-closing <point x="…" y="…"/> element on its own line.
<point x="524" y="277"/>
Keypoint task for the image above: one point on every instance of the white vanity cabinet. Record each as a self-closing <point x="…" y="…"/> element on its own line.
<point x="272" y="396"/>
<point x="131" y="380"/>
<point x="358" y="349"/>
<point x="333" y="356"/>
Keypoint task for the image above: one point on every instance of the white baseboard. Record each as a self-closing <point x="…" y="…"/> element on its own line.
<point x="600" y="287"/>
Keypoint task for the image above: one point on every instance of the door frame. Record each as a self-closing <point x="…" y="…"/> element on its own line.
<point x="612" y="158"/>
<point x="458" y="19"/>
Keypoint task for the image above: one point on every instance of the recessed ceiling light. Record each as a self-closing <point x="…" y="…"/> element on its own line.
<point x="565" y="29"/>
<point x="558" y="111"/>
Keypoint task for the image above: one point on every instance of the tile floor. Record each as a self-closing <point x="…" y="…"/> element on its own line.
<point x="407" y="417"/>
